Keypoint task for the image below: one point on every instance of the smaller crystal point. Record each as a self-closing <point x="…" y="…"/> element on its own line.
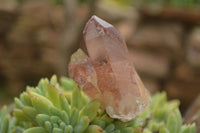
<point x="109" y="72"/>
<point x="82" y="71"/>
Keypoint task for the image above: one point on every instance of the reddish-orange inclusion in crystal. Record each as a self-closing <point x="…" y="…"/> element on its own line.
<point x="108" y="73"/>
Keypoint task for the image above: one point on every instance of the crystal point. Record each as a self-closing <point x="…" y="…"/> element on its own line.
<point x="110" y="72"/>
<point x="82" y="71"/>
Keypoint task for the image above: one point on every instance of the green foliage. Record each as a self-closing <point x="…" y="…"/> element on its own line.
<point x="57" y="2"/>
<point x="170" y="3"/>
<point x="7" y="124"/>
<point x="174" y="3"/>
<point x="63" y="108"/>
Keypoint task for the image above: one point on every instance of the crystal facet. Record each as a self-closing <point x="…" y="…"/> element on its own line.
<point x="108" y="73"/>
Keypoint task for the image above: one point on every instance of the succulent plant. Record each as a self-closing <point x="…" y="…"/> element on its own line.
<point x="64" y="108"/>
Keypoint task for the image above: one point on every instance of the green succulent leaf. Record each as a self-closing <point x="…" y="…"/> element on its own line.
<point x="94" y="129"/>
<point x="90" y="109"/>
<point x="36" y="130"/>
<point x="188" y="129"/>
<point x="174" y="121"/>
<point x="40" y="103"/>
<point x="76" y="100"/>
<point x="4" y="125"/>
<point x="81" y="125"/>
<point x="53" y="95"/>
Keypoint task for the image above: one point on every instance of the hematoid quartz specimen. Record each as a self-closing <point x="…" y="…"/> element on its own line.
<point x="108" y="73"/>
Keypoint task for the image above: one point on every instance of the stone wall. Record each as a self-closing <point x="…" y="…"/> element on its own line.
<point x="166" y="54"/>
<point x="165" y="51"/>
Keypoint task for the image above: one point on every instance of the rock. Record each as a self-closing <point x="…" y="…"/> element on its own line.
<point x="8" y="5"/>
<point x="184" y="85"/>
<point x="7" y="21"/>
<point x="151" y="84"/>
<point x="110" y="71"/>
<point x="150" y="64"/>
<point x="158" y="37"/>
<point x="193" y="48"/>
<point x="115" y="12"/>
<point x="126" y="28"/>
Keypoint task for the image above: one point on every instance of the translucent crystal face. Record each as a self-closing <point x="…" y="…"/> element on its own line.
<point x="108" y="73"/>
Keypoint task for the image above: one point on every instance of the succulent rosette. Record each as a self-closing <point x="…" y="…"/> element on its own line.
<point x="63" y="107"/>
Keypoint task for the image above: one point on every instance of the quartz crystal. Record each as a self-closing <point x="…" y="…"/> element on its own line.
<point x="108" y="73"/>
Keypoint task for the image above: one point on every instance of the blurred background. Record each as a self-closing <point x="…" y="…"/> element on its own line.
<point x="37" y="38"/>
